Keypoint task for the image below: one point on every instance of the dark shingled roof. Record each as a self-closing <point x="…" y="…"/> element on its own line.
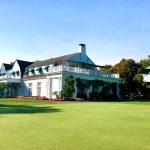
<point x="7" y="66"/>
<point x="58" y="60"/>
<point x="23" y="64"/>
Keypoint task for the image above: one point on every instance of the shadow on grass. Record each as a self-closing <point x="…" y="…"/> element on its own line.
<point x="24" y="109"/>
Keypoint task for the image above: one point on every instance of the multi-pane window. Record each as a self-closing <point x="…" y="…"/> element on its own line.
<point x="39" y="89"/>
<point x="30" y="89"/>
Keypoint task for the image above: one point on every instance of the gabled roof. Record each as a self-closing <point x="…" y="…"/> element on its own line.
<point x="7" y="66"/>
<point x="23" y="64"/>
<point x="58" y="60"/>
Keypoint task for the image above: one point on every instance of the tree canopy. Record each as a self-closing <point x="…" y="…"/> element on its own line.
<point x="131" y="75"/>
<point x="145" y="62"/>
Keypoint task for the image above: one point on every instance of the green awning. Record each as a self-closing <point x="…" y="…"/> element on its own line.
<point x="2" y="74"/>
<point x="45" y="68"/>
<point x="31" y="70"/>
<point x="12" y="73"/>
<point x="26" y="71"/>
<point x="38" y="68"/>
<point x="17" y="72"/>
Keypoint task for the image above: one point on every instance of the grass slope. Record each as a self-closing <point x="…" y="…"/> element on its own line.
<point x="45" y="125"/>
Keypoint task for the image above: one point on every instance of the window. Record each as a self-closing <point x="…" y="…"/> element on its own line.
<point x="30" y="89"/>
<point x="39" y="89"/>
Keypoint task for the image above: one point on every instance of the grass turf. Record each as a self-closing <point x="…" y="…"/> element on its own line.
<point x="44" y="125"/>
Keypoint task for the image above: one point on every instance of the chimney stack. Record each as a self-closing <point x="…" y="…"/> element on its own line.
<point x="82" y="49"/>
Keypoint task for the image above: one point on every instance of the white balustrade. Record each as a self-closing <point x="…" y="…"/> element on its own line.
<point x="55" y="69"/>
<point x="71" y="69"/>
<point x="84" y="71"/>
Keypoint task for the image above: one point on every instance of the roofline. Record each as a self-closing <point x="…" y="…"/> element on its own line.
<point x="88" y="64"/>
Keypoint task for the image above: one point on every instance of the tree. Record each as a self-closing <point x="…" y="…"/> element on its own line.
<point x="13" y="87"/>
<point x="3" y="87"/>
<point x="106" y="68"/>
<point x="82" y="85"/>
<point x="145" y="62"/>
<point x="127" y="68"/>
<point x="68" y="87"/>
<point x="139" y="84"/>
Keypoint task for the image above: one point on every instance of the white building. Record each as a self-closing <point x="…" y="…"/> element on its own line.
<point x="146" y="80"/>
<point x="146" y="74"/>
<point x="42" y="78"/>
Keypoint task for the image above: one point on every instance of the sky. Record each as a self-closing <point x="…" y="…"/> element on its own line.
<point x="40" y="29"/>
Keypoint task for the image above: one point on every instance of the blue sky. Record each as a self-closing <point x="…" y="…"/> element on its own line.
<point x="41" y="29"/>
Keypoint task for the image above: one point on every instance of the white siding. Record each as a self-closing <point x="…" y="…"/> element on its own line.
<point x="44" y="87"/>
<point x="15" y="68"/>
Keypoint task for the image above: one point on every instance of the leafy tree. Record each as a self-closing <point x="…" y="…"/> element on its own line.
<point x="106" y="68"/>
<point x="127" y="68"/>
<point x="68" y="87"/>
<point x="3" y="87"/>
<point x="145" y="62"/>
<point x="13" y="87"/>
<point x="82" y="85"/>
<point x="139" y="84"/>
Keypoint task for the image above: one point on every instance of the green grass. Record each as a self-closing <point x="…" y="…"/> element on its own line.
<point x="44" y="125"/>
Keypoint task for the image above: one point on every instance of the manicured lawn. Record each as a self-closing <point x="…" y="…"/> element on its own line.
<point x="36" y="125"/>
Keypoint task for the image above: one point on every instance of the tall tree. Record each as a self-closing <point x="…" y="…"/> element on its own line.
<point x="127" y="68"/>
<point x="106" y="68"/>
<point x="145" y="62"/>
<point x="68" y="87"/>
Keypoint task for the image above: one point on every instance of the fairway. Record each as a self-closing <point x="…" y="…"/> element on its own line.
<point x="36" y="125"/>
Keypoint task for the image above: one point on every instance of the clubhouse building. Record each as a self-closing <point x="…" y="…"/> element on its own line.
<point x="43" y="78"/>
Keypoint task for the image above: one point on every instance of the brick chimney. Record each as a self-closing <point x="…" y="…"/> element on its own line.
<point x="82" y="49"/>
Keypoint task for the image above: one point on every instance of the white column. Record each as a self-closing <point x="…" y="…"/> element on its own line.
<point x="60" y="84"/>
<point x="118" y="90"/>
<point x="48" y="87"/>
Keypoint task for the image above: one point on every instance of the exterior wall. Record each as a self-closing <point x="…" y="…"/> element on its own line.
<point x="146" y="77"/>
<point x="49" y="85"/>
<point x="54" y="82"/>
<point x="44" y="85"/>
